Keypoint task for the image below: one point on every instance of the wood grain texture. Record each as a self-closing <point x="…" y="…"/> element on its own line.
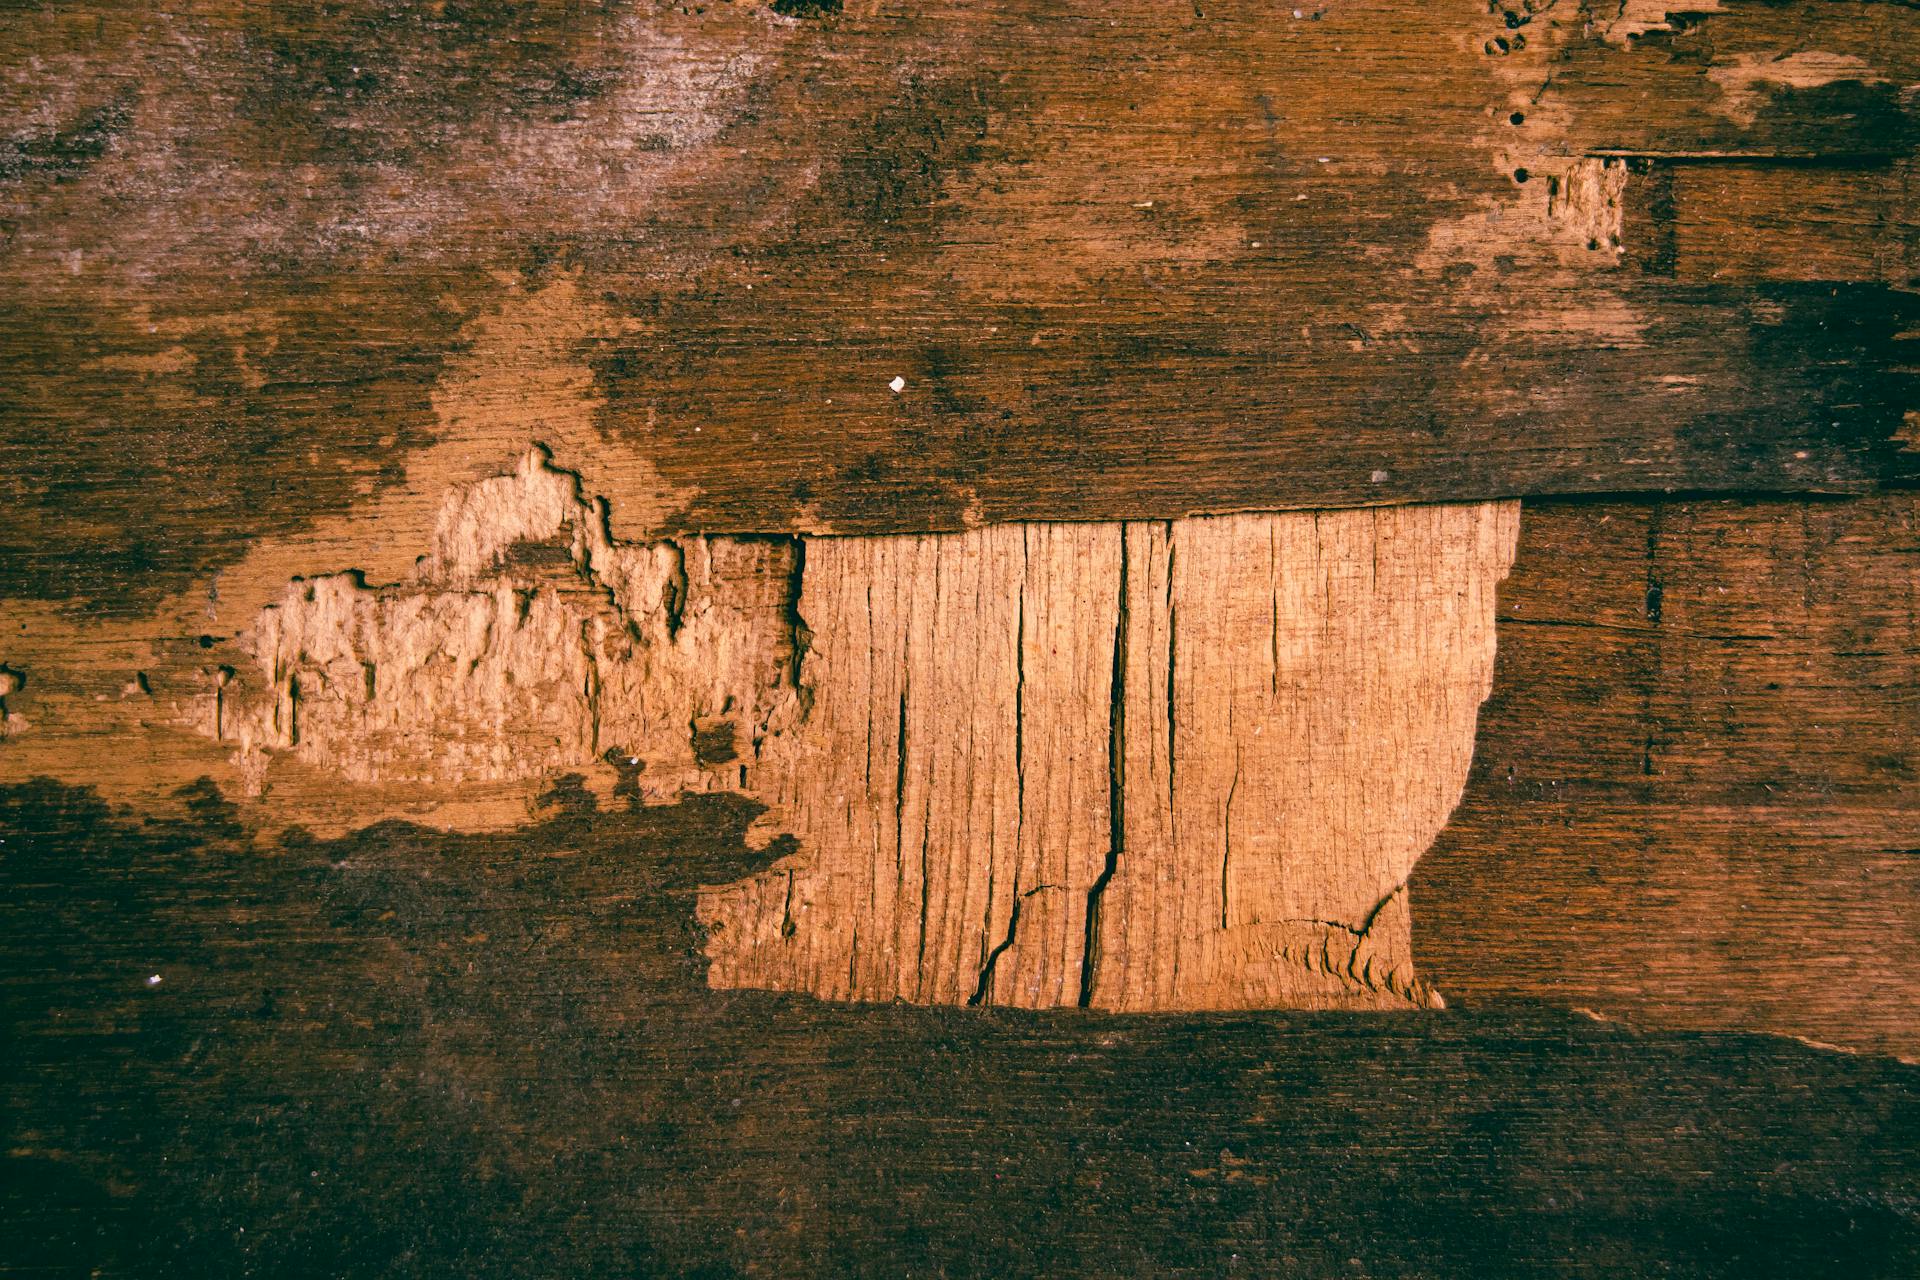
<point x="1692" y="803"/>
<point x="1698" y="763"/>
<point x="1131" y="260"/>
<point x="359" y="799"/>
<point x="1179" y="765"/>
<point x="1249" y="727"/>
<point x="412" y="1053"/>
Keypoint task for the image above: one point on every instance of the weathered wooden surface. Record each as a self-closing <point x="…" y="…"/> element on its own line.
<point x="404" y="1053"/>
<point x="1696" y="794"/>
<point x="1155" y="765"/>
<point x="1693" y="801"/>
<point x="277" y="279"/>
<point x="1271" y="715"/>
<point x="1132" y="260"/>
<point x="1248" y="728"/>
<point x="1692" y="806"/>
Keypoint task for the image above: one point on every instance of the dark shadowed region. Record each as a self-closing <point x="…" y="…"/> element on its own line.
<point x="409" y="1053"/>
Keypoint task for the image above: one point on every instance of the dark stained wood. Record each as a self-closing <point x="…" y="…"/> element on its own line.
<point x="1726" y="78"/>
<point x="405" y="1053"/>
<point x="1777" y="221"/>
<point x="1693" y="803"/>
<point x="1696" y="791"/>
<point x="1131" y="260"/>
<point x="401" y="1051"/>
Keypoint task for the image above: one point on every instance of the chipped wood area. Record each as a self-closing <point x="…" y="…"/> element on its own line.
<point x="1140" y="766"/>
<point x="1029" y="497"/>
<point x="1161" y="765"/>
<point x="1692" y="793"/>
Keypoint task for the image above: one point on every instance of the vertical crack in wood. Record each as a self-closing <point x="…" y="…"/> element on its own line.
<point x="797" y="629"/>
<point x="1173" y="718"/>
<point x="1295" y="798"/>
<point x="1226" y="840"/>
<point x="983" y="992"/>
<point x="1116" y="779"/>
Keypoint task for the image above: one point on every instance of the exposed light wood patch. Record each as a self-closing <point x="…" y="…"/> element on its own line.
<point x="1582" y="868"/>
<point x="1141" y="766"/>
<point x="1149" y="765"/>
<point x="529" y="641"/>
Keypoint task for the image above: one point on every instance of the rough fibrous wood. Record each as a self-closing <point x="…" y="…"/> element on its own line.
<point x="1142" y="766"/>
<point x="1697" y="753"/>
<point x="1247" y="728"/>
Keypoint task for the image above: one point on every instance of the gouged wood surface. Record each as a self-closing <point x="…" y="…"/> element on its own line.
<point x="947" y="725"/>
<point x="1323" y="673"/>
<point x="977" y="667"/>
<point x="1151" y="766"/>
<point x="360" y="793"/>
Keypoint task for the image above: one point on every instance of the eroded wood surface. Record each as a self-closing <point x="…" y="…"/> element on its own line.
<point x="346" y="942"/>
<point x="1247" y="728"/>
<point x="1145" y="766"/>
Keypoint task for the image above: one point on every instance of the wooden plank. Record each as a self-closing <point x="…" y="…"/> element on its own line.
<point x="1694" y="796"/>
<point x="1722" y="78"/>
<point x="1773" y="221"/>
<point x="1698" y="752"/>
<point x="408" y="1053"/>
<point x="365" y="798"/>
<point x="1149" y="766"/>
<point x="1129" y="261"/>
